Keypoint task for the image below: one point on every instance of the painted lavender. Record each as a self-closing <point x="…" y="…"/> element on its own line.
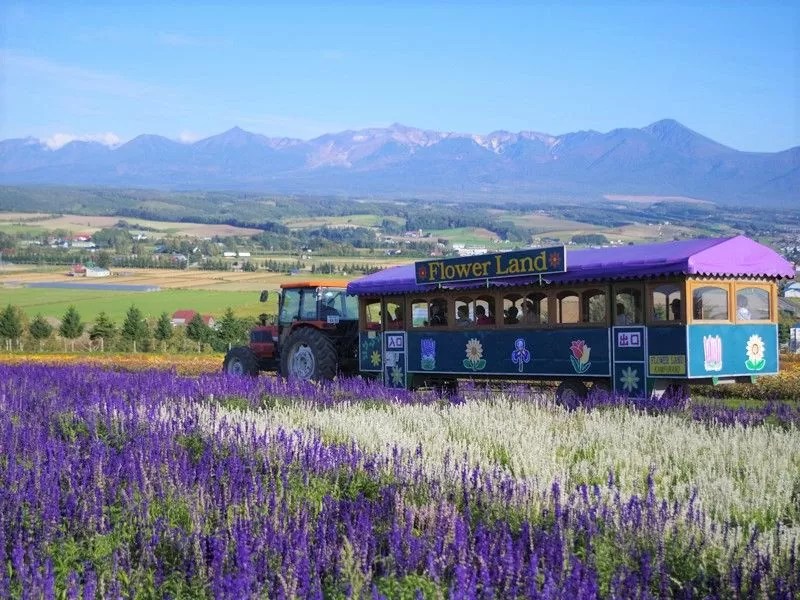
<point x="118" y="485"/>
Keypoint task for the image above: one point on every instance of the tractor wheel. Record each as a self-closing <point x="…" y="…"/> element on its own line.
<point x="240" y="360"/>
<point x="308" y="354"/>
<point x="570" y="393"/>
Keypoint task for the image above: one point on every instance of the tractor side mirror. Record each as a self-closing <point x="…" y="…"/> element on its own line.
<point x="264" y="296"/>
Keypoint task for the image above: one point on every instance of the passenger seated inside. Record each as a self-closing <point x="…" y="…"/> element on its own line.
<point x="528" y="316"/>
<point x="675" y="307"/>
<point x="438" y="317"/>
<point x="742" y="309"/>
<point x="462" y="316"/>
<point x="481" y="318"/>
<point x="511" y="316"/>
<point x="397" y="322"/>
<point x="622" y="317"/>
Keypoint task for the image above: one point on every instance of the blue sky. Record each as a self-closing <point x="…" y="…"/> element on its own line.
<point x="187" y="70"/>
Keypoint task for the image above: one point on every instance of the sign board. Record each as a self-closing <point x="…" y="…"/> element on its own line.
<point x="535" y="261"/>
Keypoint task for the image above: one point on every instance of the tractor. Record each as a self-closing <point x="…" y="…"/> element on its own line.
<point x="315" y="338"/>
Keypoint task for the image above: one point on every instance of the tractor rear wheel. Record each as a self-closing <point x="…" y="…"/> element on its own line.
<point x="308" y="354"/>
<point x="240" y="360"/>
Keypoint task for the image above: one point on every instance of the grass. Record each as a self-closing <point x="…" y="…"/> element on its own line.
<point x="52" y="302"/>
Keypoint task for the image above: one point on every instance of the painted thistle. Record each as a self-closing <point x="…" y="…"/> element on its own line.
<point x="580" y="356"/>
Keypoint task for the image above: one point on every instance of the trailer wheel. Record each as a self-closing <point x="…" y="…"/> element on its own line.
<point x="240" y="360"/>
<point x="571" y="393"/>
<point x="308" y="354"/>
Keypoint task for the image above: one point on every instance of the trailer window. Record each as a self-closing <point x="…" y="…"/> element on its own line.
<point x="419" y="313"/>
<point x="752" y="304"/>
<point x="567" y="306"/>
<point x="437" y="312"/>
<point x="372" y="314"/>
<point x="394" y="314"/>
<point x="628" y="306"/>
<point x="534" y="309"/>
<point x="512" y="309"/>
<point x="485" y="311"/>
<point x="465" y="312"/>
<point x="667" y="303"/>
<point x="710" y="303"/>
<point x="594" y="306"/>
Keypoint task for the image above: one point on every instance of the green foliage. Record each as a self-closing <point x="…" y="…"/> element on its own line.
<point x="103" y="328"/>
<point x="40" y="329"/>
<point x="135" y="328"/>
<point x="71" y="325"/>
<point x="230" y="331"/>
<point x="163" y="330"/>
<point x="10" y="323"/>
<point x="590" y="239"/>
<point x="410" y="587"/>
<point x="197" y="330"/>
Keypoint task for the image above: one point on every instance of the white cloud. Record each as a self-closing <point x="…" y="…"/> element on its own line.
<point x="189" y="137"/>
<point x="57" y="140"/>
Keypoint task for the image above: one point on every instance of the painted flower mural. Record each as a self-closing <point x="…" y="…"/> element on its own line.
<point x="580" y="356"/>
<point x="755" y="353"/>
<point x="474" y="360"/>
<point x="630" y="379"/>
<point x="712" y="352"/>
<point x="427" y="349"/>
<point x="520" y="355"/>
<point x="375" y="358"/>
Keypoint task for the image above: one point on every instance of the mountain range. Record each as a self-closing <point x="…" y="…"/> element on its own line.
<point x="661" y="159"/>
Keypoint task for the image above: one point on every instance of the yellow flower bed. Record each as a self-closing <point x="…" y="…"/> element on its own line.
<point x="183" y="364"/>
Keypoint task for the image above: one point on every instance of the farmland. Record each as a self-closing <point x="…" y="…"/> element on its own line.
<point x="152" y="484"/>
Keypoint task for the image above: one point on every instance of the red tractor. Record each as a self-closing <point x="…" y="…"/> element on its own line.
<point x="316" y="336"/>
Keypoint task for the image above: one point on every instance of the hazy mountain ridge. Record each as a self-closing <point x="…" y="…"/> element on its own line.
<point x="663" y="158"/>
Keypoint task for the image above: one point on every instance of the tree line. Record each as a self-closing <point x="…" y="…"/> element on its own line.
<point x="136" y="333"/>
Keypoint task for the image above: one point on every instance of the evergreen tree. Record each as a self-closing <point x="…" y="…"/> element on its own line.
<point x="198" y="331"/>
<point x="230" y="329"/>
<point x="10" y="324"/>
<point x="103" y="329"/>
<point x="71" y="327"/>
<point x="163" y="331"/>
<point x="40" y="329"/>
<point x="135" y="328"/>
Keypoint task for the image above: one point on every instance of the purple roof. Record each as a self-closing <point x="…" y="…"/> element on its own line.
<point x="727" y="257"/>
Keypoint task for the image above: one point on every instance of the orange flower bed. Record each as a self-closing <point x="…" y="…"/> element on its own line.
<point x="183" y="364"/>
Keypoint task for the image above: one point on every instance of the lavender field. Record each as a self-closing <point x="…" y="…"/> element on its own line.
<point x="153" y="485"/>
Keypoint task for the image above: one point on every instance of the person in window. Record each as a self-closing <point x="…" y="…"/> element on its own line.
<point x="622" y="318"/>
<point x="397" y="322"/>
<point x="438" y="317"/>
<point x="511" y="316"/>
<point x="742" y="309"/>
<point x="528" y="316"/>
<point x="675" y="307"/>
<point x="462" y="316"/>
<point x="481" y="318"/>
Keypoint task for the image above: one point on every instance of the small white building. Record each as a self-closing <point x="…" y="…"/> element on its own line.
<point x="792" y="290"/>
<point x="229" y="254"/>
<point x="243" y="254"/>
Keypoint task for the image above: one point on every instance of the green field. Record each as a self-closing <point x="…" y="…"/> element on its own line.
<point x="52" y="302"/>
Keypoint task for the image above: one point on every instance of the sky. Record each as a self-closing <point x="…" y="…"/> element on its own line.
<point x="187" y="70"/>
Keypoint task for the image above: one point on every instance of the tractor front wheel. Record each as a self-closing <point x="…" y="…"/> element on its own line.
<point x="308" y="354"/>
<point x="240" y="360"/>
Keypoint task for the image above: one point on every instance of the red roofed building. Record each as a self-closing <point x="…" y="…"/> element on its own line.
<point x="182" y="317"/>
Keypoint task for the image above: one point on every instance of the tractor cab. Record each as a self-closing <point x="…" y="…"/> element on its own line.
<point x="315" y="337"/>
